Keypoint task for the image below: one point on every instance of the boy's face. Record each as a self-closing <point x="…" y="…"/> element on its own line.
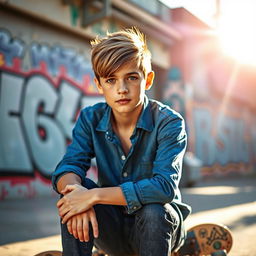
<point x="125" y="89"/>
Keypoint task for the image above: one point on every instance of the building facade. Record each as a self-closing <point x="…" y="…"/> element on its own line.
<point x="46" y="78"/>
<point x="216" y="95"/>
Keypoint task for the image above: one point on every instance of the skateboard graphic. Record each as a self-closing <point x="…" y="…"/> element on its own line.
<point x="206" y="239"/>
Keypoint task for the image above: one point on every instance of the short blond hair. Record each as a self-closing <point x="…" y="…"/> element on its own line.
<point x="116" y="49"/>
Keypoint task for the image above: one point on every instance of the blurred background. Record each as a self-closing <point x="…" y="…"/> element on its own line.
<point x="204" y="57"/>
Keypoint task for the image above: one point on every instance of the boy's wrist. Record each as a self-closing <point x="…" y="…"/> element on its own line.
<point x="67" y="179"/>
<point x="110" y="195"/>
<point x="96" y="195"/>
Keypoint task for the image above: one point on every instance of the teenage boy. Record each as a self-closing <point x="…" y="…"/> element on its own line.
<point x="136" y="208"/>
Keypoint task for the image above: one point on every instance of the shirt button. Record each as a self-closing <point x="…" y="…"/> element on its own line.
<point x="134" y="207"/>
<point x="125" y="174"/>
<point x="123" y="157"/>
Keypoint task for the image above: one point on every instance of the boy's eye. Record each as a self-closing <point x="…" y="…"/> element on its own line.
<point x="133" y="78"/>
<point x="110" y="80"/>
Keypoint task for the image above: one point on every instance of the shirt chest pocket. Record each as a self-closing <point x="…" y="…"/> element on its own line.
<point x="144" y="171"/>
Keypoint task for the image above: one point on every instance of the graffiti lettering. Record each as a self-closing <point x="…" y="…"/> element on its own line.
<point x="10" y="47"/>
<point x="39" y="93"/>
<point x="204" y="139"/>
<point x="13" y="151"/>
<point x="69" y="98"/>
<point x="38" y="109"/>
<point x="46" y="127"/>
<point x="58" y="57"/>
<point x="37" y="119"/>
<point x="222" y="140"/>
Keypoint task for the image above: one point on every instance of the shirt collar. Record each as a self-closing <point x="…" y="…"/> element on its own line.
<point x="104" y="124"/>
<point x="145" y="120"/>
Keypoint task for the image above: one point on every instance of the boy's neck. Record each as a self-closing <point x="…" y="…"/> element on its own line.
<point x="126" y="121"/>
<point x="123" y="127"/>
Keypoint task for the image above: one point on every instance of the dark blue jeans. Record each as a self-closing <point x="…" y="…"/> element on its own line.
<point x="154" y="230"/>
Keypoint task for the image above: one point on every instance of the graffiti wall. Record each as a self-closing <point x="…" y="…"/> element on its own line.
<point x="221" y="128"/>
<point x="45" y="79"/>
<point x="39" y="103"/>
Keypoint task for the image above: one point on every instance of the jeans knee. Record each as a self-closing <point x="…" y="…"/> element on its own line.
<point x="152" y="213"/>
<point x="157" y="228"/>
<point x="158" y="215"/>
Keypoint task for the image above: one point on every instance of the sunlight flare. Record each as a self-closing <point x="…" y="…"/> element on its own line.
<point x="236" y="31"/>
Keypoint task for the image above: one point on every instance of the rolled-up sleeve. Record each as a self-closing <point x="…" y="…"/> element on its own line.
<point x="162" y="187"/>
<point x="79" y="153"/>
<point x="133" y="202"/>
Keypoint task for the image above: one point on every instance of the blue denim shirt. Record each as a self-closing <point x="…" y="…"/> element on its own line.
<point x="151" y="171"/>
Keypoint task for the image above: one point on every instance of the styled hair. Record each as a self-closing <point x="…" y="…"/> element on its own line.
<point x="116" y="49"/>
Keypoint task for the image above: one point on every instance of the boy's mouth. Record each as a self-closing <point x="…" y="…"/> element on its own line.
<point x="123" y="101"/>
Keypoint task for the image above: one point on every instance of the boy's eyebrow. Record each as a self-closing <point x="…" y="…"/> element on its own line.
<point x="127" y="74"/>
<point x="133" y="73"/>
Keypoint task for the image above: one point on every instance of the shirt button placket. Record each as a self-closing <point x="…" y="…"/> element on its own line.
<point x="108" y="136"/>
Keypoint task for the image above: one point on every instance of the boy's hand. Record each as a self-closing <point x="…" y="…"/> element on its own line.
<point x="70" y="188"/>
<point x="78" y="225"/>
<point x="76" y="199"/>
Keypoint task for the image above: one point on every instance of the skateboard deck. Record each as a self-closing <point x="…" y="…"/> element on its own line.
<point x="49" y="253"/>
<point x="59" y="253"/>
<point x="207" y="239"/>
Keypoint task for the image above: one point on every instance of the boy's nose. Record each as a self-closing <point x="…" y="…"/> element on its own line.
<point x="122" y="88"/>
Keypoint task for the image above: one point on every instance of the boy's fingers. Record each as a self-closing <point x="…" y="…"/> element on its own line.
<point x="63" y="211"/>
<point x="69" y="226"/>
<point x="60" y="202"/>
<point x="95" y="228"/>
<point x="94" y="223"/>
<point x="67" y="216"/>
<point x="74" y="227"/>
<point x="68" y="188"/>
<point x="86" y="228"/>
<point x="79" y="228"/>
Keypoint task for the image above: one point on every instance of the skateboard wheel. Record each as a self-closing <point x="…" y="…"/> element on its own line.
<point x="219" y="253"/>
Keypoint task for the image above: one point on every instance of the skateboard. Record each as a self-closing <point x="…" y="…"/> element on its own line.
<point x="59" y="253"/>
<point x="49" y="253"/>
<point x="206" y="239"/>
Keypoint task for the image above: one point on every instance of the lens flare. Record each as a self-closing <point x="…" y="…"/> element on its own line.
<point x="237" y="31"/>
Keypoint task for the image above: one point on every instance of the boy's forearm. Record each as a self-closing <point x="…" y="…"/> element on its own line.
<point x="111" y="195"/>
<point x="68" y="179"/>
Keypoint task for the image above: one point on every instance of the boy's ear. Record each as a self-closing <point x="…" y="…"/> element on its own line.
<point x="149" y="79"/>
<point x="99" y="87"/>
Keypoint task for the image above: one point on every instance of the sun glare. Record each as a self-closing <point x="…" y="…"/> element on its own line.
<point x="237" y="31"/>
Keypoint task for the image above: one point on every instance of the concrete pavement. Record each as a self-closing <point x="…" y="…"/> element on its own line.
<point x="231" y="202"/>
<point x="29" y="226"/>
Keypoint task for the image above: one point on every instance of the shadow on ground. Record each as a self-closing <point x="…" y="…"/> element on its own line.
<point x="209" y="195"/>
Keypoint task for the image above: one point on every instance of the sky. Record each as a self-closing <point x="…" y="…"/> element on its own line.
<point x="236" y="27"/>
